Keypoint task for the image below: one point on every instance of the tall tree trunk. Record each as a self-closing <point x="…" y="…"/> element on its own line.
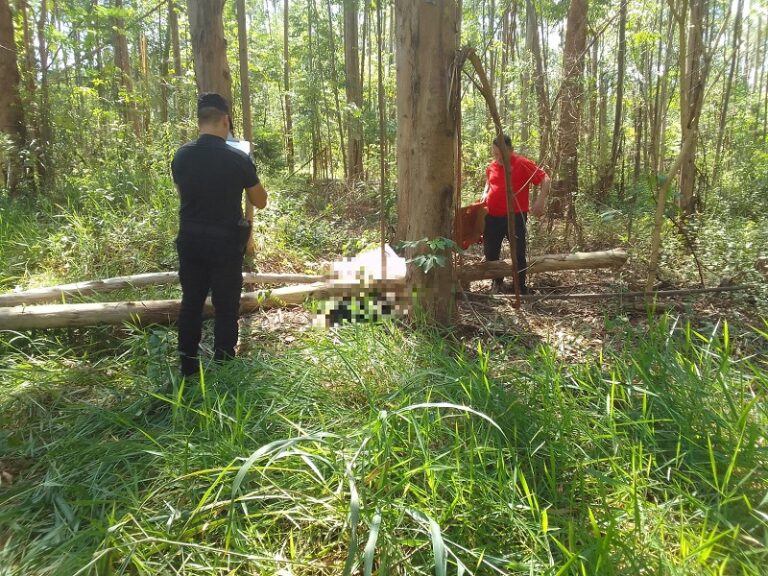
<point x="314" y="88"/>
<point x="165" y="64"/>
<point x="728" y="85"/>
<point x="335" y="80"/>
<point x="592" y="96"/>
<point x="427" y="39"/>
<point x="539" y="79"/>
<point x="178" y="70"/>
<point x="609" y="170"/>
<point x="123" y="64"/>
<point x="525" y="90"/>
<point x="209" y="47"/>
<point x="354" y="89"/>
<point x="287" y="92"/>
<point x="660" y="101"/>
<point x="245" y="95"/>
<point x="11" y="113"/>
<point x="245" y="83"/>
<point x="46" y="132"/>
<point x="571" y="96"/>
<point x="693" y="77"/>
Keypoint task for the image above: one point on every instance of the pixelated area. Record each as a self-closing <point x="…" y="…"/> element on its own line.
<point x="369" y="286"/>
<point x="359" y="308"/>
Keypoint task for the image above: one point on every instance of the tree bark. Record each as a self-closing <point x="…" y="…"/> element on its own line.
<point x="209" y="47"/>
<point x="335" y="80"/>
<point x="539" y="80"/>
<point x="46" y="132"/>
<point x="354" y="89"/>
<point x="123" y="64"/>
<point x="570" y="110"/>
<point x="289" y="153"/>
<point x="11" y="112"/>
<point x="609" y="170"/>
<point x="245" y="95"/>
<point x="165" y="81"/>
<point x="178" y="70"/>
<point x="427" y="39"/>
<point x="693" y="77"/>
<point x="728" y="85"/>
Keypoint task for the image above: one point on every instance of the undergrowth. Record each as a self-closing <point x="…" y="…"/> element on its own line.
<point x="380" y="449"/>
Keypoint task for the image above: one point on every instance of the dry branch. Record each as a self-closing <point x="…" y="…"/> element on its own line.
<point x="546" y="263"/>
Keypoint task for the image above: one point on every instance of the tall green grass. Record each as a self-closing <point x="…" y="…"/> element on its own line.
<point x="375" y="449"/>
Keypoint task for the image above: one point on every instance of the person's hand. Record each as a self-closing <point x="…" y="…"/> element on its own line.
<point x="538" y="209"/>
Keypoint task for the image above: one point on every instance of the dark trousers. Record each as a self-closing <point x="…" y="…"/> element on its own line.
<point x="495" y="232"/>
<point x="215" y="267"/>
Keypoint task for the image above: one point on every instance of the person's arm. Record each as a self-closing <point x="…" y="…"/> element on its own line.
<point x="485" y="193"/>
<point x="257" y="195"/>
<point x="540" y="204"/>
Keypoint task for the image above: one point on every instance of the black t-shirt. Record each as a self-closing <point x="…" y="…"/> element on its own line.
<point x="211" y="176"/>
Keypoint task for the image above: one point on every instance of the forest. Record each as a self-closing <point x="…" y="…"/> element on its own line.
<point x="610" y="419"/>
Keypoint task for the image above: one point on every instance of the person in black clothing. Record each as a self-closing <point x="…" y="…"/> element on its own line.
<point x="210" y="177"/>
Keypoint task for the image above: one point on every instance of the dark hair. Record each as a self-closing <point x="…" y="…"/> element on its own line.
<point x="507" y="141"/>
<point x="209" y="114"/>
<point x="210" y="107"/>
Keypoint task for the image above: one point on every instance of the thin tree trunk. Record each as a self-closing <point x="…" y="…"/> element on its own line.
<point x="592" y="95"/>
<point x="382" y="139"/>
<point x="245" y="95"/>
<point x="728" y="85"/>
<point x="691" y="90"/>
<point x="354" y="91"/>
<point x="525" y="90"/>
<point x="539" y="79"/>
<point x="46" y="133"/>
<point x="287" y="92"/>
<point x="313" y="90"/>
<point x="178" y="71"/>
<point x="427" y="40"/>
<point x="165" y="80"/>
<point x="245" y="83"/>
<point x="11" y="112"/>
<point x="609" y="170"/>
<point x="123" y="64"/>
<point x="335" y="80"/>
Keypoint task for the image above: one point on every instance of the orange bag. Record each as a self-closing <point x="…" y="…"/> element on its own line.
<point x="472" y="224"/>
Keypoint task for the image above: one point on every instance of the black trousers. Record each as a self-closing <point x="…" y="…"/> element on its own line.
<point x="215" y="266"/>
<point x="495" y="232"/>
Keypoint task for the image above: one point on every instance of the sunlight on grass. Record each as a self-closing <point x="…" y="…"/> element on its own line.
<point x="374" y="449"/>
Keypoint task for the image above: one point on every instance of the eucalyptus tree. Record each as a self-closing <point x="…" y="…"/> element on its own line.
<point x="571" y="96"/>
<point x="427" y="40"/>
<point x="209" y="47"/>
<point x="354" y="90"/>
<point x="11" y="113"/>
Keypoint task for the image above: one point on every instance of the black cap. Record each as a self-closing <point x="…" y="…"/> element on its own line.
<point x="212" y="100"/>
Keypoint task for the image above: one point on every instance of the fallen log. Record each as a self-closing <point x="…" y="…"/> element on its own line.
<point x="166" y="311"/>
<point x="90" y="287"/>
<point x="546" y="263"/>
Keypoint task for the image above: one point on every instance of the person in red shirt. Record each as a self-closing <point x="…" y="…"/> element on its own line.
<point x="525" y="173"/>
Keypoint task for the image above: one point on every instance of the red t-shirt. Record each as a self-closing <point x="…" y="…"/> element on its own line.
<point x="524" y="173"/>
